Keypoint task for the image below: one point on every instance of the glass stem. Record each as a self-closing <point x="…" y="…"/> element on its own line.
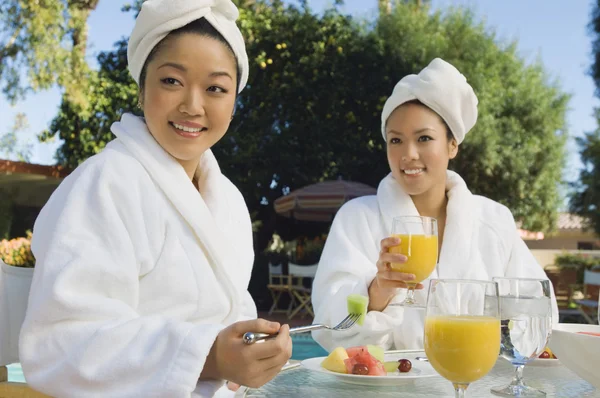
<point x="460" y="390"/>
<point x="518" y="379"/>
<point x="410" y="295"/>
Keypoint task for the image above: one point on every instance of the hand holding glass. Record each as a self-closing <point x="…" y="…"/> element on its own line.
<point x="419" y="243"/>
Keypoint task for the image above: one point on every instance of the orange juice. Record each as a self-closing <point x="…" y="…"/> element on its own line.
<point x="462" y="349"/>
<point x="422" y="253"/>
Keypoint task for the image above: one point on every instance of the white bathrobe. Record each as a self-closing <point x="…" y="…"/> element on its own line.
<point x="480" y="242"/>
<point x="137" y="272"/>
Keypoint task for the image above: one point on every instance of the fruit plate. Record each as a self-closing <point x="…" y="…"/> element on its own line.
<point x="419" y="370"/>
<point x="544" y="362"/>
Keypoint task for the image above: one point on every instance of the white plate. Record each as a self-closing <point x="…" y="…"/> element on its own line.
<point x="544" y="362"/>
<point x="419" y="370"/>
<point x="578" y="352"/>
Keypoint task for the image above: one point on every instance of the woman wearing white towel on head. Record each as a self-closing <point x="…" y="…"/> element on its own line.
<point x="144" y="253"/>
<point x="423" y="123"/>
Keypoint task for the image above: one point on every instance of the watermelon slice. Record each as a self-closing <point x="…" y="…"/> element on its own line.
<point x="353" y="351"/>
<point x="361" y="355"/>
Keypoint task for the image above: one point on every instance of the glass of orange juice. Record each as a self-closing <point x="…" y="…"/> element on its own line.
<point x="419" y="242"/>
<point x="462" y="330"/>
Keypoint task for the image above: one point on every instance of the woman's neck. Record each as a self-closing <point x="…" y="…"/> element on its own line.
<point x="190" y="167"/>
<point x="432" y="203"/>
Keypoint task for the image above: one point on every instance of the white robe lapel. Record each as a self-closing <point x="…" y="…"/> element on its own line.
<point x="457" y="257"/>
<point x="393" y="202"/>
<point x="193" y="207"/>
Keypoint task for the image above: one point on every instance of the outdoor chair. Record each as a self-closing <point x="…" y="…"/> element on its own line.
<point x="298" y="275"/>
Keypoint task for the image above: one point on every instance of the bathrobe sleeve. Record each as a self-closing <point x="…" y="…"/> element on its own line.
<point x="347" y="266"/>
<point x="522" y="263"/>
<point x="96" y="237"/>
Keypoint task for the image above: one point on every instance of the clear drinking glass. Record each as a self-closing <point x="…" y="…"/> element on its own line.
<point x="462" y="330"/>
<point x="419" y="242"/>
<point x="526" y="317"/>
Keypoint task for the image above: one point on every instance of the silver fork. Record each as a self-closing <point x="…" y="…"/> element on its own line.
<point x="346" y="323"/>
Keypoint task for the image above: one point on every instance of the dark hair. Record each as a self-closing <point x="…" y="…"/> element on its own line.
<point x="200" y="27"/>
<point x="449" y="134"/>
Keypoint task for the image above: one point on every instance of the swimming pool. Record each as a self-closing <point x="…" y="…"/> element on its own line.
<point x="304" y="347"/>
<point x="15" y="373"/>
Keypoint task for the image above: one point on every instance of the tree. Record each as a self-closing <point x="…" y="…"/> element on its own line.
<point x="47" y="40"/>
<point x="10" y="145"/>
<point x="585" y="196"/>
<point x="111" y="93"/>
<point x="594" y="28"/>
<point x="317" y="87"/>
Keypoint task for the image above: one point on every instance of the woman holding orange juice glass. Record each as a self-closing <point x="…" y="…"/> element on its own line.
<point x="418" y="238"/>
<point x="423" y="123"/>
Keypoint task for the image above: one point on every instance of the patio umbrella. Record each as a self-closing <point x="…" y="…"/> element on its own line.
<point x="320" y="201"/>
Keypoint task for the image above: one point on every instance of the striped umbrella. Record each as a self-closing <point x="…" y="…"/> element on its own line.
<point x="320" y="201"/>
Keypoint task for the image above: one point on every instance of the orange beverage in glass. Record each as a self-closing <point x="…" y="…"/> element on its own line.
<point x="419" y="243"/>
<point x="422" y="253"/>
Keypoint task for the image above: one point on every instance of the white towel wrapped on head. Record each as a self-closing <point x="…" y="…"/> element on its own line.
<point x="160" y="17"/>
<point x="442" y="88"/>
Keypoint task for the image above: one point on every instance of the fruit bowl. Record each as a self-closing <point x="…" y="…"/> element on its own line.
<point x="578" y="352"/>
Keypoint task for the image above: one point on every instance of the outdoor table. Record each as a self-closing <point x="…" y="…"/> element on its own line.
<point x="556" y="381"/>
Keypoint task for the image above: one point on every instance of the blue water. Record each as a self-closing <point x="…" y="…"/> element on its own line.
<point x="15" y="373"/>
<point x="304" y="347"/>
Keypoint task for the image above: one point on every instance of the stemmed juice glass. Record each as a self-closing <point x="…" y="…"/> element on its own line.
<point x="462" y="330"/>
<point x="419" y="242"/>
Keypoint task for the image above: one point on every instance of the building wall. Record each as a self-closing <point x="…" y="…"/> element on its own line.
<point x="566" y="240"/>
<point x="545" y="257"/>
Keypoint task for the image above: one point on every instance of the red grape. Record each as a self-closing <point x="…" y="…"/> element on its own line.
<point x="404" y="366"/>
<point x="360" y="369"/>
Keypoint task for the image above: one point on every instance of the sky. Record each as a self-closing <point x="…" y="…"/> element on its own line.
<point x="554" y="31"/>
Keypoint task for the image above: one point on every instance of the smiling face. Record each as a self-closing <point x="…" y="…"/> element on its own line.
<point x="188" y="95"/>
<point x="419" y="148"/>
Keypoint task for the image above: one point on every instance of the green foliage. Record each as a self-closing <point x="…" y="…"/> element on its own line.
<point x="6" y="213"/>
<point x="579" y="262"/>
<point x="10" y="145"/>
<point x="571" y="260"/>
<point x="303" y="107"/>
<point x="594" y="28"/>
<point x="317" y="86"/>
<point x="111" y="93"/>
<point x="302" y="251"/>
<point x="585" y="197"/>
<point x="47" y="40"/>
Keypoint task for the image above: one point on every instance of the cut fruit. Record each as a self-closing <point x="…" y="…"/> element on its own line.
<point x="547" y="354"/>
<point x="376" y="351"/>
<point x="335" y="361"/>
<point x="364" y="358"/>
<point x="354" y="351"/>
<point x="358" y="304"/>
<point x="391" y="366"/>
